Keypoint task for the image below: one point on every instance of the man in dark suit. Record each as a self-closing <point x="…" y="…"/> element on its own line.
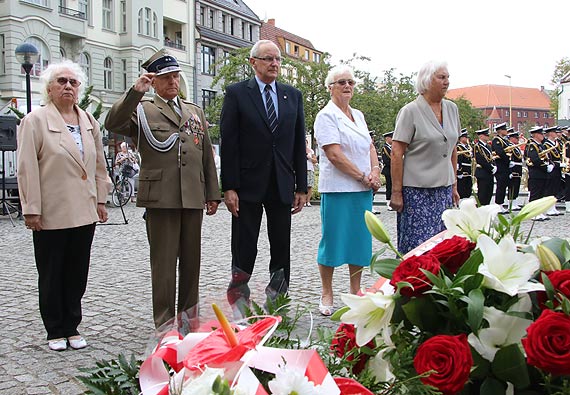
<point x="516" y="170"/>
<point x="464" y="164"/>
<point x="177" y="181"/>
<point x="264" y="166"/>
<point x="485" y="167"/>
<point x="386" y="166"/>
<point x="538" y="167"/>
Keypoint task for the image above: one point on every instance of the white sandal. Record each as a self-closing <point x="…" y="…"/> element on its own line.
<point x="324" y="309"/>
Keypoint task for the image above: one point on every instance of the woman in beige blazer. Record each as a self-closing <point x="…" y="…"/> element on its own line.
<point x="63" y="186"/>
<point x="424" y="159"/>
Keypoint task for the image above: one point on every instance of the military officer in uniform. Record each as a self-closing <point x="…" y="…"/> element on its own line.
<point x="464" y="162"/>
<point x="386" y="168"/>
<point x="516" y="170"/>
<point x="503" y="163"/>
<point x="486" y="167"/>
<point x="177" y="182"/>
<point x="555" y="176"/>
<point x="538" y="167"/>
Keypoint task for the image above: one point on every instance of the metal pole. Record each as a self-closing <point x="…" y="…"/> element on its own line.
<point x="28" y="69"/>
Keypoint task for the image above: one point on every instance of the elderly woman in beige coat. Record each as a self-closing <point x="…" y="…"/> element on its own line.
<point x="63" y="186"/>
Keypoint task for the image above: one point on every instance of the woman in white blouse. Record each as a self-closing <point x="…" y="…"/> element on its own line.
<point x="424" y="159"/>
<point x="63" y="185"/>
<point x="348" y="176"/>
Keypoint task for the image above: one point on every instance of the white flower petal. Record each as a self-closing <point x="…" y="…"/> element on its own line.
<point x="369" y="314"/>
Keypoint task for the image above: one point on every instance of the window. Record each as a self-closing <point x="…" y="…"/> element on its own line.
<point x="108" y="74"/>
<point x="518" y="114"/>
<point x="62" y="54"/>
<point x="224" y="27"/>
<point x="250" y="32"/>
<point x="178" y="39"/>
<point x="62" y="3"/>
<point x="208" y="59"/>
<point x="306" y="55"/>
<point x="536" y="114"/>
<point x="243" y="30"/>
<point x="84" y="8"/>
<point x="85" y="64"/>
<point x="123" y="16"/>
<point x="226" y="57"/>
<point x="506" y="113"/>
<point x="545" y="115"/>
<point x="232" y="26"/>
<point x="296" y="50"/>
<point x="207" y="98"/>
<point x="316" y="57"/>
<point x="202" y="16"/>
<point x="39" y="2"/>
<point x="148" y="22"/>
<point x="107" y="14"/>
<point x="2" y="54"/>
<point x="124" y="73"/>
<point x="287" y="47"/>
<point x="211" y="19"/>
<point x="43" y="59"/>
<point x="525" y="114"/>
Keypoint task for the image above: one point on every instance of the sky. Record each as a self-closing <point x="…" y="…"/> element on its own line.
<point x="481" y="40"/>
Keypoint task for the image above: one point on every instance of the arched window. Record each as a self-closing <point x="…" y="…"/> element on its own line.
<point x="108" y="73"/>
<point x="43" y="59"/>
<point x="148" y="22"/>
<point x="85" y="63"/>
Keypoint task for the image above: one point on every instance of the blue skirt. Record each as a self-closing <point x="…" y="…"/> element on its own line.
<point x="345" y="237"/>
<point x="421" y="218"/>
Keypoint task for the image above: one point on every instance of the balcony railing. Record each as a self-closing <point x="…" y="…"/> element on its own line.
<point x="172" y="44"/>
<point x="72" y="12"/>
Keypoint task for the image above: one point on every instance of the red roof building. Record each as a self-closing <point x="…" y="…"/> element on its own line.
<point x="529" y="106"/>
<point x="290" y="44"/>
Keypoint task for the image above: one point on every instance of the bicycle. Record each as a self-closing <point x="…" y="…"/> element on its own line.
<point x="123" y="190"/>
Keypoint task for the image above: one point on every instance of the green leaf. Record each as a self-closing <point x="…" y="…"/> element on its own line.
<point x="560" y="247"/>
<point x="473" y="282"/>
<point x="475" y="309"/>
<point x="423" y="313"/>
<point x="436" y="280"/>
<point x="338" y="314"/>
<point x="481" y="367"/>
<point x="510" y="365"/>
<point x="492" y="386"/>
<point x="472" y="264"/>
<point x="385" y="267"/>
<point x="547" y="286"/>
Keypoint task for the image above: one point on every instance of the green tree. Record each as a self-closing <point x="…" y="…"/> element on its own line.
<point x="561" y="68"/>
<point x="471" y="118"/>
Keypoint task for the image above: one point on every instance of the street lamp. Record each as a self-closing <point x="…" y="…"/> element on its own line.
<point x="27" y="55"/>
<point x="510" y="101"/>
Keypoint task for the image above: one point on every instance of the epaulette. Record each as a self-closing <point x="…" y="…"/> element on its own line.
<point x="189" y="102"/>
<point x="148" y="98"/>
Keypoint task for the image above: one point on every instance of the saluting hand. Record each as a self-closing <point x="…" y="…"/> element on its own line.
<point x="144" y="82"/>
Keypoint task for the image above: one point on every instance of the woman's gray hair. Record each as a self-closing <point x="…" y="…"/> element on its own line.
<point x="426" y="73"/>
<point x="54" y="69"/>
<point x="255" y="49"/>
<point x="337" y="70"/>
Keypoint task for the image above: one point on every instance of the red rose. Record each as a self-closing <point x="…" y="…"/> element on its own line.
<point x="450" y="358"/>
<point x="409" y="270"/>
<point x="344" y="341"/>
<point x="547" y="343"/>
<point x="452" y="253"/>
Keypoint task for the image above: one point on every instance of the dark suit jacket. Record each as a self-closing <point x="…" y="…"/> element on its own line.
<point x="484" y="158"/>
<point x="249" y="150"/>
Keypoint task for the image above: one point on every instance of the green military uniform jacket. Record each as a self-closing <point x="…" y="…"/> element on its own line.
<point x="183" y="177"/>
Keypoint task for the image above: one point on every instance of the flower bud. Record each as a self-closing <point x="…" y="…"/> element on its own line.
<point x="536" y="207"/>
<point x="548" y="259"/>
<point x="376" y="227"/>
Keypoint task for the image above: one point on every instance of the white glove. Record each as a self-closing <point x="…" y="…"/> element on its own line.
<point x="511" y="164"/>
<point x="563" y="165"/>
<point x="510" y="175"/>
<point x="460" y="176"/>
<point x="494" y="170"/>
<point x="549" y="168"/>
<point x="457" y="167"/>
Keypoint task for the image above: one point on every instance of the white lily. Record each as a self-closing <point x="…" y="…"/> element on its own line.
<point x="503" y="330"/>
<point x="290" y="381"/>
<point x="369" y="314"/>
<point x="202" y="384"/>
<point x="379" y="366"/>
<point x="469" y="221"/>
<point x="505" y="269"/>
<point x="536" y="207"/>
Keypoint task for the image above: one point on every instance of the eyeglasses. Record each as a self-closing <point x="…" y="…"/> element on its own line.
<point x="344" y="82"/>
<point x="63" y="81"/>
<point x="269" y="59"/>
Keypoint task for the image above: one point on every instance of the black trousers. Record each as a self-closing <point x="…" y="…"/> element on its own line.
<point x="388" y="187"/>
<point x="464" y="186"/>
<point x="62" y="259"/>
<point x="536" y="188"/>
<point x="501" y="188"/>
<point x="514" y="187"/>
<point x="484" y="190"/>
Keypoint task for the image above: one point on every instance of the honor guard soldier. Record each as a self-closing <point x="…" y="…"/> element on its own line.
<point x="538" y="167"/>
<point x="464" y="165"/>
<point x="565" y="138"/>
<point x="486" y="167"/>
<point x="516" y="169"/>
<point x="503" y="163"/>
<point x="555" y="156"/>
<point x="178" y="180"/>
<point x="386" y="168"/>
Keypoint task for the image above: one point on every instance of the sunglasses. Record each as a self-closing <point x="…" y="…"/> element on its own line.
<point x="269" y="58"/>
<point x="63" y="81"/>
<point x="344" y="82"/>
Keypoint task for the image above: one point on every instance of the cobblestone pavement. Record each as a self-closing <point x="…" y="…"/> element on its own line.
<point x="117" y="304"/>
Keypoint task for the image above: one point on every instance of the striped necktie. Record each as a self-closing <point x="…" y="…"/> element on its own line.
<point x="271" y="114"/>
<point x="175" y="108"/>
